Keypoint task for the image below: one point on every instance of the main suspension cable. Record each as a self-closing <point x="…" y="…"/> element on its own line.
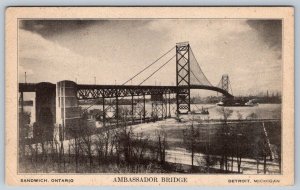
<point x="200" y="67"/>
<point x="195" y="77"/>
<point x="157" y="70"/>
<point x="150" y="75"/>
<point x="138" y="74"/>
<point x="148" y="66"/>
<point x="147" y="77"/>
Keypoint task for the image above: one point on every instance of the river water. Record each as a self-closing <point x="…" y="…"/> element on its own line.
<point x="262" y="111"/>
<point x="182" y="156"/>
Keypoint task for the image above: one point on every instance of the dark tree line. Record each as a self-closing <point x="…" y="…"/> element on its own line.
<point x="121" y="149"/>
<point x="86" y="149"/>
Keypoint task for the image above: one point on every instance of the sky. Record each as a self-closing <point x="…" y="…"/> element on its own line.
<point x="112" y="51"/>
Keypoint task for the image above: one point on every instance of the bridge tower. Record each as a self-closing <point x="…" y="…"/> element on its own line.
<point x="225" y="82"/>
<point x="225" y="85"/>
<point x="183" y="77"/>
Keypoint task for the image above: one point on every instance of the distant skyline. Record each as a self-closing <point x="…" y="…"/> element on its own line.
<point x="249" y="51"/>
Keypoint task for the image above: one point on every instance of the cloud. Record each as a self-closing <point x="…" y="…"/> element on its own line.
<point x="117" y="49"/>
<point x="48" y="28"/>
<point x="228" y="47"/>
<point x="44" y="60"/>
<point x="269" y="30"/>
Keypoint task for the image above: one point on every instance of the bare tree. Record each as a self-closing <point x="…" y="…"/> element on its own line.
<point x="106" y="139"/>
<point x="24" y="121"/>
<point x="161" y="146"/>
<point x="226" y="113"/>
<point x="53" y="145"/>
<point x="125" y="138"/>
<point x="75" y="145"/>
<point x="191" y="140"/>
<point x="100" y="144"/>
<point x="239" y="149"/>
<point x="86" y="140"/>
<point x="139" y="146"/>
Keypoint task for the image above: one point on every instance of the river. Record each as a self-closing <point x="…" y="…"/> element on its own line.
<point x="262" y="111"/>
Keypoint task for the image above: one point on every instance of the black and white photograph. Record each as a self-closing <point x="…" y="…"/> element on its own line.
<point x="180" y="96"/>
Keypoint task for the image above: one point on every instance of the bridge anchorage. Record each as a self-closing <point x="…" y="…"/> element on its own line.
<point x="67" y="102"/>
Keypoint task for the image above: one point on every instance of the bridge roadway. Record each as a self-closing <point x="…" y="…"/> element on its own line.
<point x="87" y="91"/>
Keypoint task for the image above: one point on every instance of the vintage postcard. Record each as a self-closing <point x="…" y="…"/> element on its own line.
<point x="149" y="96"/>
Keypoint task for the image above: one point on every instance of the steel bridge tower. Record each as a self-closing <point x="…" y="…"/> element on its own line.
<point x="225" y="82"/>
<point x="183" y="77"/>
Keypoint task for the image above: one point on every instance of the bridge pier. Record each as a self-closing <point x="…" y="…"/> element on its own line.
<point x="132" y="109"/>
<point x="162" y="110"/>
<point x="117" y="110"/>
<point x="67" y="108"/>
<point x="159" y="106"/>
<point x="103" y="111"/>
<point x="169" y="101"/>
<point x="111" y="111"/>
<point x="144" y="108"/>
<point x="45" y="94"/>
<point x="166" y="105"/>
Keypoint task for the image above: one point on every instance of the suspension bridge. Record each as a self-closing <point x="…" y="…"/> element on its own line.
<point x="60" y="103"/>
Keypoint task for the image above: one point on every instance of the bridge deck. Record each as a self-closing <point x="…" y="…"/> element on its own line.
<point x="87" y="91"/>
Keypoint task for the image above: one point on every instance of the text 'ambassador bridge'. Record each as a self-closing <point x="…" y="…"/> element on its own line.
<point x="62" y="102"/>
